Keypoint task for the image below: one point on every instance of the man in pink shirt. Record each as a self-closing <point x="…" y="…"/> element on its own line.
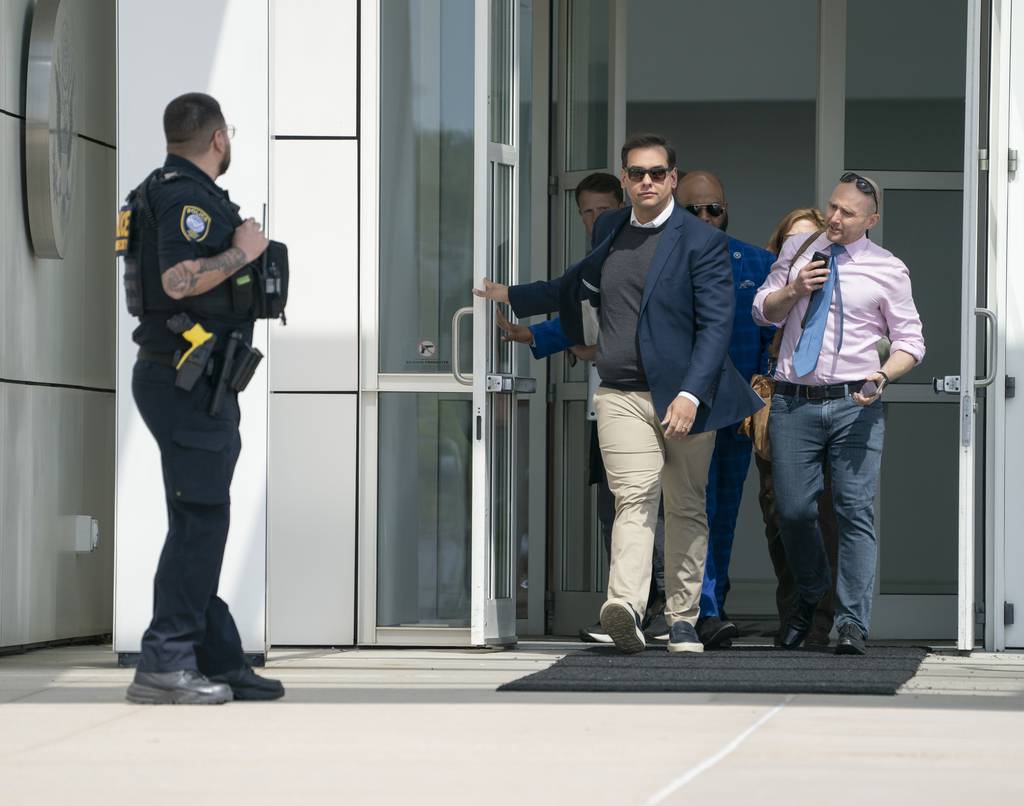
<point x="827" y="404"/>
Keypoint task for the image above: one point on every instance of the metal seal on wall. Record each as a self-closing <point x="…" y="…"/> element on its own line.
<point x="50" y="119"/>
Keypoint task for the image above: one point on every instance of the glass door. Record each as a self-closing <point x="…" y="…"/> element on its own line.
<point x="443" y="415"/>
<point x="589" y="99"/>
<point x="904" y="110"/>
<point x="500" y="434"/>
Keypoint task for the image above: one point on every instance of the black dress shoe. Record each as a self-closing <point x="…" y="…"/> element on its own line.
<point x="715" y="633"/>
<point x="185" y="687"/>
<point x="247" y="685"/>
<point x="798" y="624"/>
<point x="851" y="641"/>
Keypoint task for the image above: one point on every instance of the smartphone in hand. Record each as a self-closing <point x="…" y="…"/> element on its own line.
<point x="870" y="388"/>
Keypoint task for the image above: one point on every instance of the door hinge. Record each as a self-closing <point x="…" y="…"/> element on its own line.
<point x="1011" y="161"/>
<point x="982" y="159"/>
<point x="1011" y="386"/>
<point x="1007" y="614"/>
<point x="552" y="185"/>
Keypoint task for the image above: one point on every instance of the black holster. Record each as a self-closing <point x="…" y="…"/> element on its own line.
<point x="237" y="366"/>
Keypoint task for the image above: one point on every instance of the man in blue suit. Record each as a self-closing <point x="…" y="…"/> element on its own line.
<point x="701" y="193"/>
<point x="662" y="283"/>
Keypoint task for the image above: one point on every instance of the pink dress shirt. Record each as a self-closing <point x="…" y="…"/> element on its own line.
<point x="877" y="302"/>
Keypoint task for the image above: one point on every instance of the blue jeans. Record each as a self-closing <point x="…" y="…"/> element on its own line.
<point x="804" y="436"/>
<point x="729" y="465"/>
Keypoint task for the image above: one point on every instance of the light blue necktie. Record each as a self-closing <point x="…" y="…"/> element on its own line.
<point x="808" y="349"/>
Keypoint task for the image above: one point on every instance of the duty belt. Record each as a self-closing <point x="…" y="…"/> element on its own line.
<point x="833" y="392"/>
<point x="164" y="359"/>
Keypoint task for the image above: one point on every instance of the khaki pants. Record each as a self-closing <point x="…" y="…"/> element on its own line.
<point x="641" y="465"/>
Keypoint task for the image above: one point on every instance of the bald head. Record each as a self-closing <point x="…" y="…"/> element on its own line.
<point x="702" y="192"/>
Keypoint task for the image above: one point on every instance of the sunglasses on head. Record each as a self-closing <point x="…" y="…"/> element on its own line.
<point x="715" y="210"/>
<point x="863" y="185"/>
<point x="657" y="174"/>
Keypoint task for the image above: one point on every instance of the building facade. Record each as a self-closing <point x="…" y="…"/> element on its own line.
<point x="409" y="479"/>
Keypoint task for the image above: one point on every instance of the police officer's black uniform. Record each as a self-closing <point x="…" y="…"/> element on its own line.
<point x="192" y="628"/>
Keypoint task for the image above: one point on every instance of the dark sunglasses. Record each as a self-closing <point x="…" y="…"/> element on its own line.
<point x="715" y="210"/>
<point x="657" y="174"/>
<point x="863" y="185"/>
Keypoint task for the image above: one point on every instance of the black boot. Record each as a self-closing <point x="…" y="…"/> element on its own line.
<point x="185" y="687"/>
<point x="247" y="685"/>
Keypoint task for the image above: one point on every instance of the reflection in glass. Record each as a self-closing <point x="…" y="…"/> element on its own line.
<point x="935" y="269"/>
<point x="576" y="248"/>
<point x="424" y="524"/>
<point x="521" y="524"/>
<point x="578" y="511"/>
<point x="426" y="181"/>
<point x="587" y="119"/>
<point x="502" y="25"/>
<point x="904" y="90"/>
<point x="918" y="544"/>
<point x="501" y="253"/>
<point x="501" y="496"/>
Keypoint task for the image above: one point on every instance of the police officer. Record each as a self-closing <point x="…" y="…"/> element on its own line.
<point x="192" y="250"/>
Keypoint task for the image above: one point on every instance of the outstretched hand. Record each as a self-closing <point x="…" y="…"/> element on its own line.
<point x="494" y="291"/>
<point x="513" y="332"/>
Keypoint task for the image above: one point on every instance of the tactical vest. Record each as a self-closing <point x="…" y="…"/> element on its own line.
<point x="258" y="290"/>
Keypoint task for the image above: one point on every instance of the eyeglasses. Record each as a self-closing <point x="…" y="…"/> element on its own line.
<point x="715" y="210"/>
<point x="863" y="185"/>
<point x="229" y="130"/>
<point x="657" y="174"/>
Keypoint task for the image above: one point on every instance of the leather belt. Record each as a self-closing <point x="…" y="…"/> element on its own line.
<point x="833" y="392"/>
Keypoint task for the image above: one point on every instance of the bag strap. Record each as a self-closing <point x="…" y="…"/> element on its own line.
<point x="775" y="346"/>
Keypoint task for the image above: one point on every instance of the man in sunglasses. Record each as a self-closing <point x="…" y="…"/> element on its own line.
<point x="701" y="193"/>
<point x="843" y="295"/>
<point x="663" y="285"/>
<point x="595" y="195"/>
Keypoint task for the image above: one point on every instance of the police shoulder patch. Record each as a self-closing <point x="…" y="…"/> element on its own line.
<point x="195" y="222"/>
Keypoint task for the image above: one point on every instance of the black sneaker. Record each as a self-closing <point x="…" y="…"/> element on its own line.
<point x="683" y="638"/>
<point x="715" y="633"/>
<point x="247" y="685"/>
<point x="798" y="624"/>
<point x="185" y="687"/>
<point x="622" y="623"/>
<point x="657" y="628"/>
<point x="594" y="634"/>
<point x="851" y="641"/>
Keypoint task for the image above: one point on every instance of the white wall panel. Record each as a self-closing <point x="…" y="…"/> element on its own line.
<point x="57" y="316"/>
<point x="314" y="67"/>
<point x="315" y="210"/>
<point x="312" y="519"/>
<point x="57" y="460"/>
<point x="226" y="57"/>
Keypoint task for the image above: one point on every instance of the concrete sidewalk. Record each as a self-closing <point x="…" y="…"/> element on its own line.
<point x="422" y="726"/>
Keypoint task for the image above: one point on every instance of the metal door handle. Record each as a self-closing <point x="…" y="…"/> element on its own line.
<point x="465" y="380"/>
<point x="990" y="346"/>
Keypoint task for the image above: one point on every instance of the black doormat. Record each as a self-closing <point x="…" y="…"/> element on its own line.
<point x="741" y="669"/>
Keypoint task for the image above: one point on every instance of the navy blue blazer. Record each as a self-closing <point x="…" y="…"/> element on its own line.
<point x="686" y="314"/>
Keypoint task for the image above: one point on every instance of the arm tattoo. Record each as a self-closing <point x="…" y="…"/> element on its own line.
<point x="192" y="277"/>
<point x="227" y="262"/>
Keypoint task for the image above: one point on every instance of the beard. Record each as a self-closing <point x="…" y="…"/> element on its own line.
<point x="225" y="161"/>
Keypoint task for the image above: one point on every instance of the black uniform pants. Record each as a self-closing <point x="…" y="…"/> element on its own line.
<point x="192" y="627"/>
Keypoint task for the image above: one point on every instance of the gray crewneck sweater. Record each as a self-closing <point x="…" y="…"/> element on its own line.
<point x="623" y="276"/>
